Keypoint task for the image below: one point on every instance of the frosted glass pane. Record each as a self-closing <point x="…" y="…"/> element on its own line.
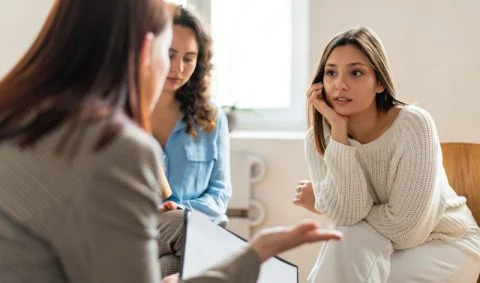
<point x="252" y="52"/>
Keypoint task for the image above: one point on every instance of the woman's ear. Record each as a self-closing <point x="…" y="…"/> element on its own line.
<point x="146" y="80"/>
<point x="145" y="66"/>
<point x="380" y="88"/>
<point x="146" y="52"/>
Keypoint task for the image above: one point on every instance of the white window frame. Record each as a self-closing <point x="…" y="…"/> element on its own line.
<point x="292" y="118"/>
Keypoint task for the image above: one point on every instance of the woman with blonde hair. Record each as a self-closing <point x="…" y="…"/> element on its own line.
<point x="376" y="171"/>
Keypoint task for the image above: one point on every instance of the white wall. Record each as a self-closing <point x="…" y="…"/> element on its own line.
<point x="20" y="21"/>
<point x="433" y="48"/>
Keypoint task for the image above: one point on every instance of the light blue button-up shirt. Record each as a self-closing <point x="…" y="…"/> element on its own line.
<point x="198" y="169"/>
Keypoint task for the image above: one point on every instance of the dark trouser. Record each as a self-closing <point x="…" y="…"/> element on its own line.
<point x="170" y="240"/>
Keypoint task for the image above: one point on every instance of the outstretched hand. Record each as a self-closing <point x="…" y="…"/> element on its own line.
<point x="272" y="241"/>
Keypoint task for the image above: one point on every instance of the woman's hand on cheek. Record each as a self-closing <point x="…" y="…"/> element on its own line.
<point x="338" y="122"/>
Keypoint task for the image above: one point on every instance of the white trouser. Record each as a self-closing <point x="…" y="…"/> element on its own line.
<point x="366" y="256"/>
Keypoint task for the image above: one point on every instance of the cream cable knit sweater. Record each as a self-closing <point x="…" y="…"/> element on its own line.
<point x="396" y="183"/>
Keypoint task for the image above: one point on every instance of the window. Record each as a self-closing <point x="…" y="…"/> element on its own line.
<point x="252" y="50"/>
<point x="260" y="59"/>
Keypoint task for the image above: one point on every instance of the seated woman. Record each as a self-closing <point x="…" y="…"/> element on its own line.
<point x="377" y="172"/>
<point x="194" y="137"/>
<point x="193" y="132"/>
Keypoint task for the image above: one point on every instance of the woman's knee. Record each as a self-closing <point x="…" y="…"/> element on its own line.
<point x="171" y="218"/>
<point x="363" y="234"/>
<point x="171" y="232"/>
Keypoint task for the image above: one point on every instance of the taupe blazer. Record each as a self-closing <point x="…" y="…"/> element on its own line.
<point x="90" y="219"/>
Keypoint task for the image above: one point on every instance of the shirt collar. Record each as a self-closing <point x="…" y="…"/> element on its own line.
<point x="180" y="125"/>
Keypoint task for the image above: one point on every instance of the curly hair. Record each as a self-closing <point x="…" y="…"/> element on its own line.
<point x="195" y="94"/>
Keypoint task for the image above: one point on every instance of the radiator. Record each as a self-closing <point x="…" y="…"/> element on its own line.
<point x="243" y="210"/>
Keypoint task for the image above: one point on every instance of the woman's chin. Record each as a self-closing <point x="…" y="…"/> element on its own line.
<point x="168" y="88"/>
<point x="344" y="111"/>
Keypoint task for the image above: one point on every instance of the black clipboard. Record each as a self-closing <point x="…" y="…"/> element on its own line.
<point x="206" y="244"/>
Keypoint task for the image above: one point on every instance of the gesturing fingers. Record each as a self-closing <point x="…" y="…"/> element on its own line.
<point x="299" y="188"/>
<point x="303" y="182"/>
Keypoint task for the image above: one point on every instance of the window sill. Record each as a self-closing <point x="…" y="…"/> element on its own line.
<point x="267" y="135"/>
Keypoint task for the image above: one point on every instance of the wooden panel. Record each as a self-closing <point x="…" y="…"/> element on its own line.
<point x="462" y="163"/>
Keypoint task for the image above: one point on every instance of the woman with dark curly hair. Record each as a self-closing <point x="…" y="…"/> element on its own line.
<point x="191" y="130"/>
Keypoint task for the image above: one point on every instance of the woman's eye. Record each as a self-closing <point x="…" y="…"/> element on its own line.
<point x="357" y="73"/>
<point x="330" y="73"/>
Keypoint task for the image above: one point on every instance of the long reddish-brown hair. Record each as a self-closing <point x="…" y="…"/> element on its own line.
<point x="82" y="66"/>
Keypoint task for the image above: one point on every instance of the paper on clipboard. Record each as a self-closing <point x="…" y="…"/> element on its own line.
<point x="207" y="244"/>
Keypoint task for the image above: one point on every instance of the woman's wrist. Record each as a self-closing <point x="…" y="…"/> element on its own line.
<point x="340" y="134"/>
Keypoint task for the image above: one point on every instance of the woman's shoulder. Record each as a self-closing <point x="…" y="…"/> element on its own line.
<point x="416" y="121"/>
<point x="415" y="111"/>
<point x="132" y="137"/>
<point x="415" y="115"/>
<point x="309" y="141"/>
<point x="117" y="133"/>
<point x="220" y="118"/>
<point x="131" y="142"/>
<point x="310" y="133"/>
<point x="217" y="109"/>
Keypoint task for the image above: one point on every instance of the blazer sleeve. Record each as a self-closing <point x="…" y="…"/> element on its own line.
<point x="241" y="268"/>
